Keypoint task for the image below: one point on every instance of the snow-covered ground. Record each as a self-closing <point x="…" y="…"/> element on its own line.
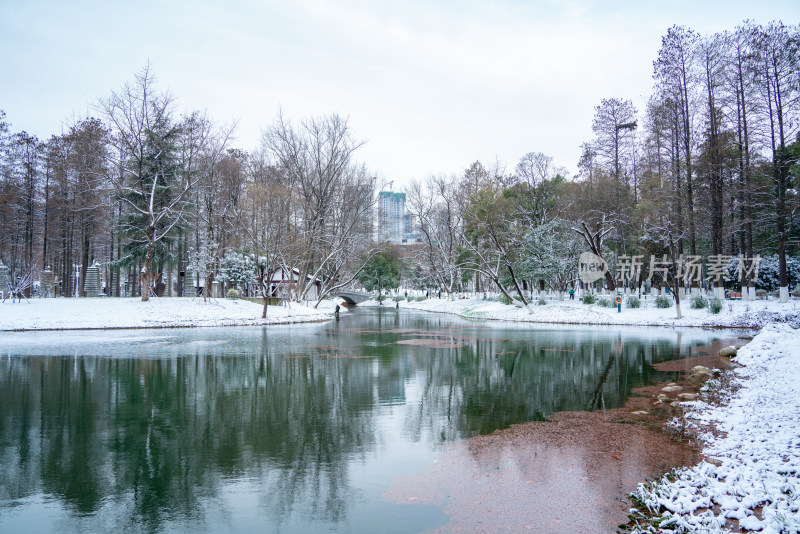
<point x="752" y="475"/>
<point x="76" y="313"/>
<point x="753" y="314"/>
<point x="83" y="313"/>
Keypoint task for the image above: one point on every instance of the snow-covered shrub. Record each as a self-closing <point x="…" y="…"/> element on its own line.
<point x="398" y="298"/>
<point x="606" y="303"/>
<point x="588" y="298"/>
<point x="663" y="301"/>
<point x="550" y="252"/>
<point x="380" y="298"/>
<point x="541" y="302"/>
<point x="715" y="305"/>
<point x="768" y="272"/>
<point x="633" y="302"/>
<point x="233" y="294"/>
<point x="699" y="302"/>
<point x="238" y="269"/>
<point x="421" y="298"/>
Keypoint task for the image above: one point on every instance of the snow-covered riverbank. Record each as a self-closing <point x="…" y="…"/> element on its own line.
<point x="77" y="313"/>
<point x="734" y="314"/>
<point x="751" y="479"/>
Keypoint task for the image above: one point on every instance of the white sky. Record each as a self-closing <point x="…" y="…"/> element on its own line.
<point x="430" y="86"/>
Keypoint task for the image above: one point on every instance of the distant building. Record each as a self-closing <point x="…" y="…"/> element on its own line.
<point x="408" y="223"/>
<point x="391" y="216"/>
<point x="395" y="225"/>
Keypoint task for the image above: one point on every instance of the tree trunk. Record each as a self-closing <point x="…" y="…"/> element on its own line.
<point x="147" y="269"/>
<point x="84" y="255"/>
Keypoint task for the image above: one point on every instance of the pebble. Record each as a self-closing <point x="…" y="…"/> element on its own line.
<point x="687" y="396"/>
<point x="672" y="389"/>
<point x="698" y="379"/>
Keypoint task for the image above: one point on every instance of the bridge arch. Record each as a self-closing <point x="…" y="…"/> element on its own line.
<point x="353" y="298"/>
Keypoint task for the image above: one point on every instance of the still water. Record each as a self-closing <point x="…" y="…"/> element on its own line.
<point x="282" y="429"/>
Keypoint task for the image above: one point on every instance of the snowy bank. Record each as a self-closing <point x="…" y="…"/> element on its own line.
<point x="753" y="314"/>
<point x="86" y="313"/>
<point x="752" y="475"/>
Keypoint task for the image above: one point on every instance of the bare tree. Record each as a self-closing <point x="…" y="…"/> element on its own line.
<point x="86" y="157"/>
<point x="536" y="187"/>
<point x="613" y="124"/>
<point x="20" y="184"/>
<point x="675" y="76"/>
<point x="264" y="216"/>
<point x="437" y="207"/>
<point x="777" y="49"/>
<point x="595" y="238"/>
<point x="711" y="51"/>
<point x="663" y="230"/>
<point x="493" y="238"/>
<point x="739" y="78"/>
<point x="332" y="197"/>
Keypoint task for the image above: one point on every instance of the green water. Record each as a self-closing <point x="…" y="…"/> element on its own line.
<point x="281" y="429"/>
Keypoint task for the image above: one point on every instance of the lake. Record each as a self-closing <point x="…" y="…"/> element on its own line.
<point x="284" y="428"/>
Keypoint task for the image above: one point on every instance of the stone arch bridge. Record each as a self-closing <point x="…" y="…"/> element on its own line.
<point x="353" y="298"/>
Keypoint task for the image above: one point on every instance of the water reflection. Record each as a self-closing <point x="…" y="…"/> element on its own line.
<point x="295" y="427"/>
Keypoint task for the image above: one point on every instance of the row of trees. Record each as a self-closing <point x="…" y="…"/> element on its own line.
<point x="713" y="170"/>
<point x="710" y="167"/>
<point x="716" y="160"/>
<point x="150" y="193"/>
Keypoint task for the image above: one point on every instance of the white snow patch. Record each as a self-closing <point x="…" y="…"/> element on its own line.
<point x="84" y="313"/>
<point x="757" y="480"/>
<point x="734" y="314"/>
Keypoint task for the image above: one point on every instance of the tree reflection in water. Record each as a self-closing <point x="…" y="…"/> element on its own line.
<point x="146" y="433"/>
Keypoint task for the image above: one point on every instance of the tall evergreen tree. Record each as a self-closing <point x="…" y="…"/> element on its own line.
<point x="151" y="186"/>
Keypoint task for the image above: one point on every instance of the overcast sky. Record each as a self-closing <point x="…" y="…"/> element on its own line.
<point x="429" y="86"/>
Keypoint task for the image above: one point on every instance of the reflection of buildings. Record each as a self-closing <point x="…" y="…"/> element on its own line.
<point x="395" y="225"/>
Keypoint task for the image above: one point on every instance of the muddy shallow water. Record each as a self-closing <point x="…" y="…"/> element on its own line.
<point x="572" y="473"/>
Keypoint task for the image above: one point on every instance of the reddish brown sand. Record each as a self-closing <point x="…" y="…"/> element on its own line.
<point x="571" y="474"/>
